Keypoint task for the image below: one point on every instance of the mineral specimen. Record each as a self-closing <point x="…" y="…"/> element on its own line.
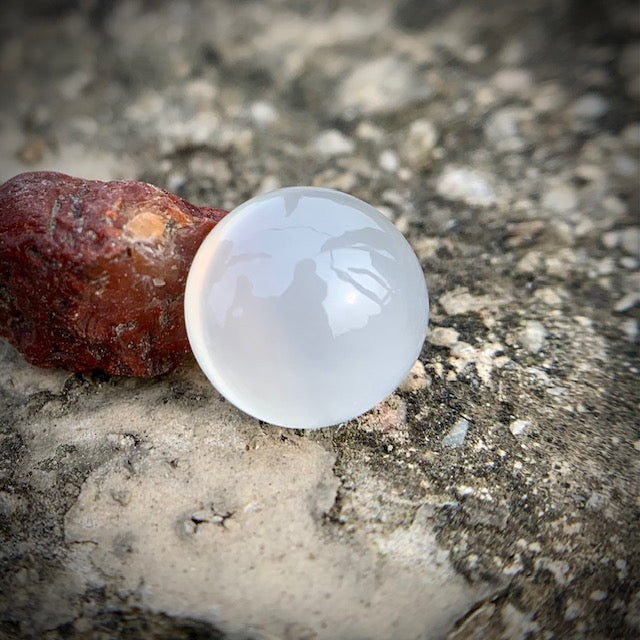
<point x="306" y="307"/>
<point x="92" y="274"/>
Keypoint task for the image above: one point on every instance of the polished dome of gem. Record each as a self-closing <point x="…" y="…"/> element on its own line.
<point x="305" y="307"/>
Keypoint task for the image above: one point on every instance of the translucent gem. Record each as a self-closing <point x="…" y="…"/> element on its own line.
<point x="305" y="307"/>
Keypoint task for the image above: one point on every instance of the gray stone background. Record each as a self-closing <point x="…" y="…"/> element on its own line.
<point x="495" y="494"/>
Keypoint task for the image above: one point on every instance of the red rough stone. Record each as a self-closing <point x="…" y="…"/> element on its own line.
<point x="92" y="274"/>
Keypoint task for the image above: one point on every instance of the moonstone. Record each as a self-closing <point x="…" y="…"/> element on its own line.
<point x="305" y="307"/>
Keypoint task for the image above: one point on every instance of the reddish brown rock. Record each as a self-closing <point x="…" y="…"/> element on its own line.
<point x="92" y="274"/>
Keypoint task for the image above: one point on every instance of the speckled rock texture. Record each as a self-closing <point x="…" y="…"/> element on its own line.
<point x="495" y="494"/>
<point x="92" y="274"/>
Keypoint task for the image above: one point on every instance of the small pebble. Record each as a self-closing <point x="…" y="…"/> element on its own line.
<point x="502" y="129"/>
<point x="532" y="336"/>
<point x="466" y="185"/>
<point x="263" y="113"/>
<point x="460" y="301"/>
<point x="627" y="302"/>
<point x="611" y="239"/>
<point x="457" y="434"/>
<point x="369" y="132"/>
<point x="388" y="161"/>
<point x="380" y="85"/>
<point x="630" y="240"/>
<point x="589" y="173"/>
<point x="629" y="263"/>
<point x="548" y="97"/>
<point x="560" y="199"/>
<point x="590" y="106"/>
<point x="630" y="328"/>
<point x="573" y="610"/>
<point x="333" y="143"/>
<point x="548" y="296"/>
<point x="416" y="380"/>
<point x="443" y="336"/>
<point x="596" y="501"/>
<point x="268" y="183"/>
<point x="515" y="81"/>
<point x="606" y="266"/>
<point x="393" y="198"/>
<point x="625" y="166"/>
<point x="518" y="427"/>
<point x="584" y="321"/>
<point x="418" y="147"/>
<point x="529" y="263"/>
<point x="464" y="490"/>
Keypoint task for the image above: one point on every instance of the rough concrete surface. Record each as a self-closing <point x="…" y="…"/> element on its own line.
<point x="496" y="493"/>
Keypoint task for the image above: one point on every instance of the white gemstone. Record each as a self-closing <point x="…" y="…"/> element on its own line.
<point x="305" y="307"/>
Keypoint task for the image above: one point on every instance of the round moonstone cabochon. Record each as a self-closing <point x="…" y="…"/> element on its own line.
<point x="305" y="307"/>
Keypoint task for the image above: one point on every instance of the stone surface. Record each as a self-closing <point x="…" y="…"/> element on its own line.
<point x="305" y="307"/>
<point x="92" y="273"/>
<point x="374" y="528"/>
